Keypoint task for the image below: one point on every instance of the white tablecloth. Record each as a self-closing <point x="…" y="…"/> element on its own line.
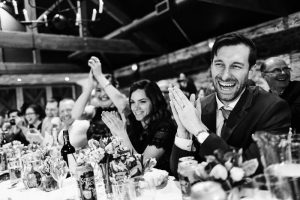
<point x="69" y="192"/>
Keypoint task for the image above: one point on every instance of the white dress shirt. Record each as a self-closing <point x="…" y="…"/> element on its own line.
<point x="186" y="144"/>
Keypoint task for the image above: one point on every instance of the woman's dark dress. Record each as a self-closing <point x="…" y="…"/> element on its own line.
<point x="163" y="136"/>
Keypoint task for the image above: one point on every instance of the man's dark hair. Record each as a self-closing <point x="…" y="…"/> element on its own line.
<point x="263" y="66"/>
<point x="235" y="39"/>
<point x="12" y="111"/>
<point x="52" y="100"/>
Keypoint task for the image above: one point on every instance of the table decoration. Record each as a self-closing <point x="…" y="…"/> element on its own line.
<point x="228" y="169"/>
<point x="116" y="163"/>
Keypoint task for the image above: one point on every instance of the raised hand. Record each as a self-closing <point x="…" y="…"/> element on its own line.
<point x="95" y="65"/>
<point x="116" y="125"/>
<point x="186" y="111"/>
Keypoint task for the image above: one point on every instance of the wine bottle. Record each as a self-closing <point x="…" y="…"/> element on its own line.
<point x="68" y="151"/>
<point x="4" y="141"/>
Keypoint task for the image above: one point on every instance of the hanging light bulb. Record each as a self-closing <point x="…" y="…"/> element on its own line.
<point x="59" y="22"/>
<point x="101" y="3"/>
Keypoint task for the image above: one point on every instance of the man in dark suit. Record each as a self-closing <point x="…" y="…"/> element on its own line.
<point x="277" y="75"/>
<point x="230" y="116"/>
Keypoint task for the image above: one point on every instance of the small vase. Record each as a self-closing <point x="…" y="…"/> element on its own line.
<point x="48" y="183"/>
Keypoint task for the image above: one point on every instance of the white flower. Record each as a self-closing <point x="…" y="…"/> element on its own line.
<point x="200" y="170"/>
<point x="109" y="148"/>
<point x="219" y="172"/>
<point x="237" y="174"/>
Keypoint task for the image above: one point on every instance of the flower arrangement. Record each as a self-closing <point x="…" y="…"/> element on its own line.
<point x="227" y="168"/>
<point x="122" y="163"/>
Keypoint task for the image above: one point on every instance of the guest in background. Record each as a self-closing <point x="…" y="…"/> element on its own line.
<point x="105" y="98"/>
<point x="51" y="111"/>
<point x="34" y="114"/>
<point x="12" y="127"/>
<point x="187" y="85"/>
<point x="77" y="128"/>
<point x="277" y="77"/>
<point x="163" y="86"/>
<point x="230" y="116"/>
<point x="150" y="130"/>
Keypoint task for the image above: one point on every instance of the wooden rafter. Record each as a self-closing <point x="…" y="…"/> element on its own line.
<point x="66" y="43"/>
<point x="30" y="68"/>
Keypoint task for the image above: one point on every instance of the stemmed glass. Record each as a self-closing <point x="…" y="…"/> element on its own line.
<point x="59" y="171"/>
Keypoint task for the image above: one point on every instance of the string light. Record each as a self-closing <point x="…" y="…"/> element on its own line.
<point x="78" y="14"/>
<point x="94" y="15"/>
<point x="15" y="5"/>
<point x="25" y="15"/>
<point x="45" y="20"/>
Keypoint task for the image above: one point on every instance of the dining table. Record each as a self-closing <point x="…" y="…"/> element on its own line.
<point x="70" y="191"/>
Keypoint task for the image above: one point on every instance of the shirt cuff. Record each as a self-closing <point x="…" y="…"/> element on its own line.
<point x="184" y="144"/>
<point x="202" y="137"/>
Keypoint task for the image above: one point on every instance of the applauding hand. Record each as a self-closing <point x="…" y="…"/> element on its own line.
<point x="95" y="65"/>
<point x="185" y="111"/>
<point x="116" y="125"/>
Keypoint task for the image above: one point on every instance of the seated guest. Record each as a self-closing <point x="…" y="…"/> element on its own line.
<point x="13" y="127"/>
<point x="51" y="112"/>
<point x="186" y="85"/>
<point x="106" y="98"/>
<point x="150" y="129"/>
<point x="230" y="116"/>
<point x="77" y="128"/>
<point x="34" y="114"/>
<point x="277" y="75"/>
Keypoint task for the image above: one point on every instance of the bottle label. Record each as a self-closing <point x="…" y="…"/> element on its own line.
<point x="72" y="163"/>
<point x="87" y="185"/>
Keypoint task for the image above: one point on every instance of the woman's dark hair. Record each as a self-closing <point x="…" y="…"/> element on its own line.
<point x="159" y="109"/>
<point x="235" y="39"/>
<point x="38" y="110"/>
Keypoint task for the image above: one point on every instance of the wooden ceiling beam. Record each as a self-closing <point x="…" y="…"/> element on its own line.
<point x="202" y="48"/>
<point x="249" y="5"/>
<point x="66" y="43"/>
<point x="139" y="23"/>
<point x="31" y="68"/>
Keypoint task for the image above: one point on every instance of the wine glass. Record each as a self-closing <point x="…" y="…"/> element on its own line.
<point x="59" y="171"/>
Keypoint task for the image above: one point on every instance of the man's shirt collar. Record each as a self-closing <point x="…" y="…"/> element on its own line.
<point x="231" y="105"/>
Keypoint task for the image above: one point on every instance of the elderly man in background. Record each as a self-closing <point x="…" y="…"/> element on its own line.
<point x="228" y="117"/>
<point x="77" y="128"/>
<point x="277" y="76"/>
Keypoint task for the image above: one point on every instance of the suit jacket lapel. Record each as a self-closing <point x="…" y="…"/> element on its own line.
<point x="238" y="113"/>
<point x="209" y="106"/>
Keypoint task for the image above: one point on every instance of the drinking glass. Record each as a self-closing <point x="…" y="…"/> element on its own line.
<point x="186" y="176"/>
<point x="59" y="171"/>
<point x="120" y="191"/>
<point x="260" y="188"/>
<point x="289" y="174"/>
<point x="295" y="146"/>
<point x="15" y="170"/>
<point x="139" y="189"/>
